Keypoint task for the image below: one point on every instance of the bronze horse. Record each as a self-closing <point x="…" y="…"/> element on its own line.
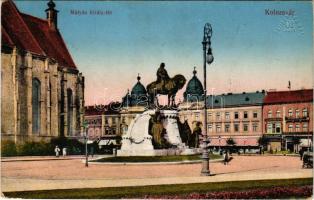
<point x="170" y="88"/>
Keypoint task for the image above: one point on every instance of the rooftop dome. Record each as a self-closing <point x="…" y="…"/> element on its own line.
<point x="138" y="88"/>
<point x="137" y="96"/>
<point x="194" y="89"/>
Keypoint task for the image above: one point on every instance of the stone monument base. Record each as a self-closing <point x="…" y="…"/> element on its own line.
<point x="159" y="152"/>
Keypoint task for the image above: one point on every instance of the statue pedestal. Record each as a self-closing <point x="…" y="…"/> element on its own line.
<point x="171" y="125"/>
<point x="137" y="141"/>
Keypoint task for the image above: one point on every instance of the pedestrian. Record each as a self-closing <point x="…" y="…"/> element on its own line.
<point x="226" y="157"/>
<point x="301" y="153"/>
<point x="64" y="151"/>
<point x="92" y="151"/>
<point x="57" y="150"/>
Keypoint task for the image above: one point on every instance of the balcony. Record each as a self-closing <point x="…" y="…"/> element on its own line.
<point x="273" y="119"/>
<point x="297" y="119"/>
<point x="298" y="133"/>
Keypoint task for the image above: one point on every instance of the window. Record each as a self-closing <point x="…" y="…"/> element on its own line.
<point x="304" y="128"/>
<point x="290" y="128"/>
<point x="278" y="113"/>
<point x="297" y="113"/>
<point x="36" y="106"/>
<point x="209" y="115"/>
<point x="125" y="129"/>
<point x="245" y="127"/>
<point x="197" y="116"/>
<point x="227" y="128"/>
<point x="255" y="114"/>
<point x="255" y="127"/>
<point x="236" y="128"/>
<point x="210" y="127"/>
<point x="218" y="115"/>
<point x="218" y="128"/>
<point x="269" y="114"/>
<point x="227" y="115"/>
<point x="236" y="115"/>
<point x="278" y="127"/>
<point x="113" y="120"/>
<point x="304" y="112"/>
<point x="123" y="120"/>
<point x="297" y="127"/>
<point x="290" y="112"/>
<point x="269" y="128"/>
<point x="70" y="111"/>
<point x="245" y="115"/>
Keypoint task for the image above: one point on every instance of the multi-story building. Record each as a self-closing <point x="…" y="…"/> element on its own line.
<point x="288" y="119"/>
<point x="103" y="123"/>
<point x="42" y="91"/>
<point x="236" y="116"/>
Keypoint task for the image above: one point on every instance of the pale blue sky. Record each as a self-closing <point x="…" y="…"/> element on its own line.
<point x="252" y="50"/>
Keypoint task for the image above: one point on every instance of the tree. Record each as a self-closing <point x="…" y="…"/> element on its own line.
<point x="262" y="141"/>
<point x="231" y="142"/>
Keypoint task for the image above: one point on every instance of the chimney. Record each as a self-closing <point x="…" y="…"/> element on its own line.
<point x="52" y="15"/>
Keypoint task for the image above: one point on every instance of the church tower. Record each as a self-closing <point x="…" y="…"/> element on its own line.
<point x="52" y="15"/>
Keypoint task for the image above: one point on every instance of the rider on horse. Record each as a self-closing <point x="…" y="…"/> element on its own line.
<point x="162" y="75"/>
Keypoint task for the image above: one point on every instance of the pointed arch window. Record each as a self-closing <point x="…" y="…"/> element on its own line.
<point x="36" y="106"/>
<point x="70" y="111"/>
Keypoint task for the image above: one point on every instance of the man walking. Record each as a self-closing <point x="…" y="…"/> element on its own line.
<point x="57" y="151"/>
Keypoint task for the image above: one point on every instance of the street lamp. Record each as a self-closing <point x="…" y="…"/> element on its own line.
<point x="208" y="58"/>
<point x="85" y="124"/>
<point x="219" y="142"/>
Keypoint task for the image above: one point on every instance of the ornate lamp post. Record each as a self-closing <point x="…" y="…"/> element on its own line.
<point x="86" y="139"/>
<point x="208" y="58"/>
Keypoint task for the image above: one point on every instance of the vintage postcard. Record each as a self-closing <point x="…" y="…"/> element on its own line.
<point x="156" y="99"/>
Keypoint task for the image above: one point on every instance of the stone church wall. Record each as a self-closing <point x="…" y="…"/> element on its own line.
<point x="18" y="72"/>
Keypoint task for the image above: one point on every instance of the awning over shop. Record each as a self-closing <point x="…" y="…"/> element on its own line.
<point x="107" y="142"/>
<point x="252" y="141"/>
<point x="305" y="142"/>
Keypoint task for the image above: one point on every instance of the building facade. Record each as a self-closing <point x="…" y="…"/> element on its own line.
<point x="103" y="123"/>
<point x="42" y="91"/>
<point x="236" y="116"/>
<point x="288" y="119"/>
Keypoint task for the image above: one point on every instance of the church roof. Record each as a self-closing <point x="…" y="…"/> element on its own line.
<point x="235" y="100"/>
<point x="32" y="34"/>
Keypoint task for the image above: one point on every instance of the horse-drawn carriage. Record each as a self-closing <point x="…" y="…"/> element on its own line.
<point x="308" y="160"/>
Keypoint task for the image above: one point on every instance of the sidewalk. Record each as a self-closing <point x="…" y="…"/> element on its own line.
<point x="12" y="184"/>
<point x="45" y="158"/>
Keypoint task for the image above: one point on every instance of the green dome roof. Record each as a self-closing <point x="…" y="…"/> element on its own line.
<point x="194" y="88"/>
<point x="138" y="88"/>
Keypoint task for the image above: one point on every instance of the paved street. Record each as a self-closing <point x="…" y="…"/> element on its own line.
<point x="61" y="174"/>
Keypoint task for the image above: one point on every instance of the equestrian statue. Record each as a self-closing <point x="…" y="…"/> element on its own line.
<point x="164" y="85"/>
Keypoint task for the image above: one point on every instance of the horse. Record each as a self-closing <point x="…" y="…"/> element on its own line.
<point x="170" y="88"/>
